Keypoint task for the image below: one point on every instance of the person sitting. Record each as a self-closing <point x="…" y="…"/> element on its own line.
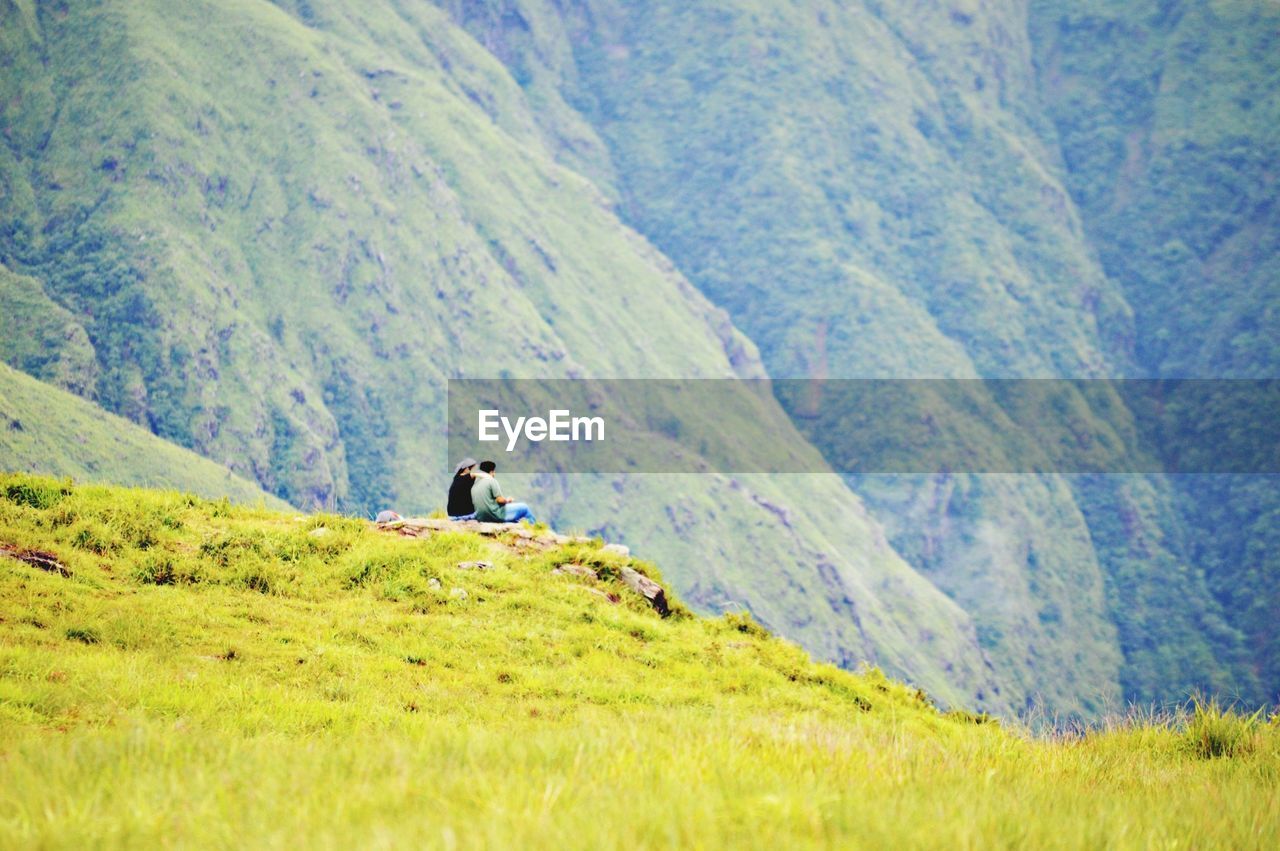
<point x="460" y="506"/>
<point x="491" y="505"/>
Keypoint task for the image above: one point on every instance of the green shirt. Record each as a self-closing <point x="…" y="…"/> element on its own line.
<point x="484" y="496"/>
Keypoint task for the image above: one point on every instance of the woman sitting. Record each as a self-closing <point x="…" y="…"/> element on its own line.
<point x="460" y="506"/>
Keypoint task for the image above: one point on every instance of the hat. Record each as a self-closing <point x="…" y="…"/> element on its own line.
<point x="464" y="464"/>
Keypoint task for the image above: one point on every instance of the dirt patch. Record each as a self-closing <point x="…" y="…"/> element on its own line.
<point x="47" y="562"/>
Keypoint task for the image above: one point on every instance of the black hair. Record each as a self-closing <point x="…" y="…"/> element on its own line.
<point x="487" y="466"/>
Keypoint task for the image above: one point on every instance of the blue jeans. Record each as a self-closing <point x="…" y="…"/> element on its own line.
<point x="517" y="511"/>
<point x="471" y="516"/>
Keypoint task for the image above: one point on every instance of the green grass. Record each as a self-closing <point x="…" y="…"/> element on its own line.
<point x="1214" y="731"/>
<point x="211" y="675"/>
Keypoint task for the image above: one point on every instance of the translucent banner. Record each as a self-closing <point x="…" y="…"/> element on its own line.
<point x="869" y="426"/>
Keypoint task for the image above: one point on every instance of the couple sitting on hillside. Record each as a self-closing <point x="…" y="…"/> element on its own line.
<point x="474" y="494"/>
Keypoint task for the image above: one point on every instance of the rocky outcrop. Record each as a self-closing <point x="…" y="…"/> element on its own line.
<point x="518" y="536"/>
<point x="647" y="588"/>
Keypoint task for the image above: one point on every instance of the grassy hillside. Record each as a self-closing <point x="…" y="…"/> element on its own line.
<point x="49" y="431"/>
<point x="194" y="674"/>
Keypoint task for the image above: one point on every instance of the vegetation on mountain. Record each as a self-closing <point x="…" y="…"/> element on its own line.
<point x="1167" y="119"/>
<point x="52" y="432"/>
<point x="994" y="190"/>
<point x="282" y="229"/>
<point x="1167" y="116"/>
<point x="203" y="674"/>
<point x="271" y="232"/>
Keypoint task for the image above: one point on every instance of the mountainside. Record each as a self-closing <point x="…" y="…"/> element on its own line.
<point x="865" y="189"/>
<point x="271" y="232"/>
<point x="879" y="190"/>
<point x="49" y="431"/>
<point x="1166" y="114"/>
<point x="1169" y="121"/>
<point x="280" y="233"/>
<point x="181" y="672"/>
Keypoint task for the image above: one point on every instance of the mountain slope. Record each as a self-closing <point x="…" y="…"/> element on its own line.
<point x="252" y="678"/>
<point x="1171" y="142"/>
<point x="282" y="229"/>
<point x="878" y="190"/>
<point x="271" y="231"/>
<point x="49" y="431"/>
<point x="1167" y="116"/>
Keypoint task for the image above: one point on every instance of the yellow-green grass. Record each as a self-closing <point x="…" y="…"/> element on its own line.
<point x="288" y="687"/>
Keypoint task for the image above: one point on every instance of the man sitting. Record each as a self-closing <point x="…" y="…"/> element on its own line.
<point x="491" y="505"/>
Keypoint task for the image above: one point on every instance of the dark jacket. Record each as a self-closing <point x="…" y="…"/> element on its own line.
<point x="460" y="496"/>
